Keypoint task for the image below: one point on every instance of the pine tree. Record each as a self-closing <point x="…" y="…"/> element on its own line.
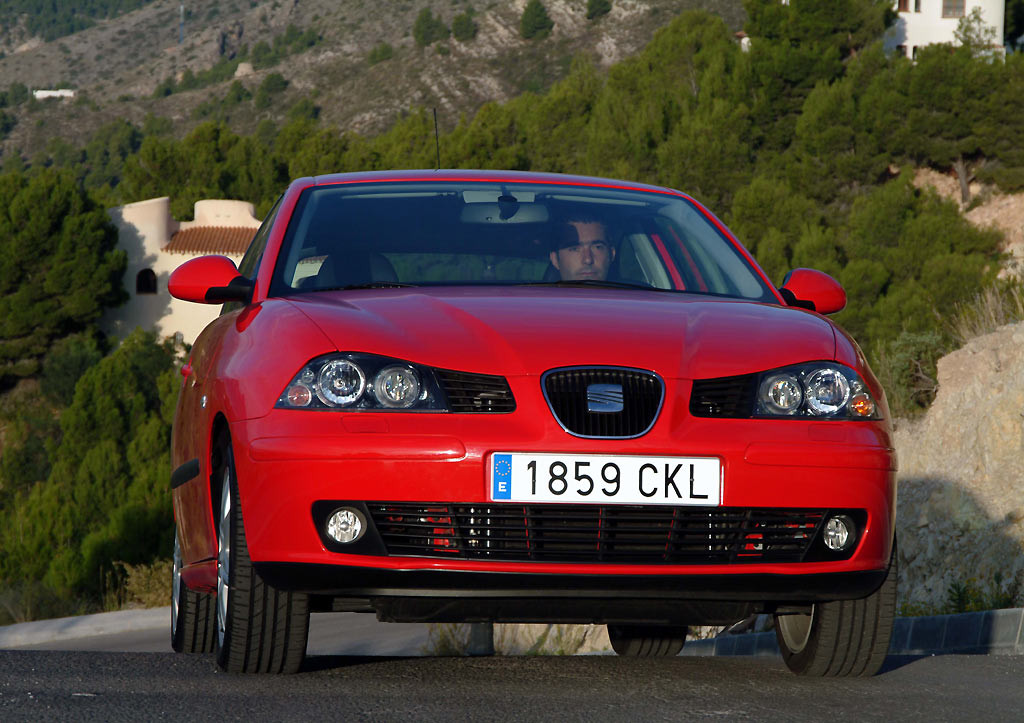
<point x="597" y="8"/>
<point x="535" y="23"/>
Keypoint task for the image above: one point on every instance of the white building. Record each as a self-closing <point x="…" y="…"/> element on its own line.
<point x="156" y="244"/>
<point x="59" y="93"/>
<point x="924" y="22"/>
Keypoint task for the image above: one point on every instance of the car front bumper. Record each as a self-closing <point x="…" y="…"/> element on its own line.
<point x="388" y="457"/>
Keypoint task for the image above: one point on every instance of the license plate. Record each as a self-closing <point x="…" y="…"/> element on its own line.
<point x="605" y="479"/>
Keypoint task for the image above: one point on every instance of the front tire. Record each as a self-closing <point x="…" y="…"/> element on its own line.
<point x="647" y="641"/>
<point x="259" y="629"/>
<point x="841" y="638"/>
<point x="193" y="620"/>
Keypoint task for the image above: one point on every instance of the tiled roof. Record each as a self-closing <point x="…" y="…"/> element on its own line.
<point x="231" y="240"/>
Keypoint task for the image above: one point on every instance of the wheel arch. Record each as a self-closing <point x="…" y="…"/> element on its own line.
<point x="220" y="434"/>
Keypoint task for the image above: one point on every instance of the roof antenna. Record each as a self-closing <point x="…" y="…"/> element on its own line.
<point x="437" y="141"/>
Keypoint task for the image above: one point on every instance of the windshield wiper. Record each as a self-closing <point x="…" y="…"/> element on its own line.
<point x="596" y="282"/>
<point x="379" y="285"/>
<point x="368" y="285"/>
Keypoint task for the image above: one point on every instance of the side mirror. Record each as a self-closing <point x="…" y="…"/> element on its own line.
<point x="210" y="280"/>
<point x="814" y="290"/>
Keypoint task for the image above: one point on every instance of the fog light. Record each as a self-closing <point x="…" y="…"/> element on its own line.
<point x="840" y="533"/>
<point x="345" y="525"/>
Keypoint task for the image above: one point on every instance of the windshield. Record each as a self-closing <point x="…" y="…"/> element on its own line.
<point x="447" y="233"/>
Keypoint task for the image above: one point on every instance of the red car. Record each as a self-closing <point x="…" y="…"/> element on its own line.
<point x="524" y="397"/>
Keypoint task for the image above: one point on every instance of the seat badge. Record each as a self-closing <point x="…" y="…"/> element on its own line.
<point x="604" y="398"/>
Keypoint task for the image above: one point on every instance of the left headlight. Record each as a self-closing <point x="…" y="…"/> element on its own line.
<point x="362" y="381"/>
<point x="817" y="389"/>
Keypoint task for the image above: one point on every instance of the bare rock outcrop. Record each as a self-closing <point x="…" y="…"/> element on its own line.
<point x="961" y="479"/>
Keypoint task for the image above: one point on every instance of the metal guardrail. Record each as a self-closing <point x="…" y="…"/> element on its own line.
<point x="992" y="632"/>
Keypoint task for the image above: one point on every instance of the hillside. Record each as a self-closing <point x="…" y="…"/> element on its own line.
<point x="116" y="65"/>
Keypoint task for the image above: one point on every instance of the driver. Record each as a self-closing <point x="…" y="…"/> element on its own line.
<point x="581" y="250"/>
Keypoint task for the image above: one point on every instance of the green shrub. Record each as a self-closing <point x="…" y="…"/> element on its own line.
<point x="597" y="8"/>
<point x="380" y="53"/>
<point x="535" y="21"/>
<point x="463" y="27"/>
<point x="972" y="595"/>
<point x="304" y="109"/>
<point x="907" y="371"/>
<point x="68" y="359"/>
<point x="164" y="88"/>
<point x="7" y="123"/>
<point x="426" y="28"/>
<point x="105" y="498"/>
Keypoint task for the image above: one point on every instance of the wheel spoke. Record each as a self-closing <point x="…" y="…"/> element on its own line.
<point x="175" y="586"/>
<point x="796" y="629"/>
<point x="224" y="558"/>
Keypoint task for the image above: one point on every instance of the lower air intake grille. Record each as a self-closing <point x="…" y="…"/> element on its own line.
<point x="476" y="392"/>
<point x="595" y="533"/>
<point x="579" y="400"/>
<point x="724" y="397"/>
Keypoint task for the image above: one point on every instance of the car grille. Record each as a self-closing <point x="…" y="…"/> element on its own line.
<point x="567" y="393"/>
<point x="476" y="392"/>
<point x="596" y="533"/>
<point x="724" y="397"/>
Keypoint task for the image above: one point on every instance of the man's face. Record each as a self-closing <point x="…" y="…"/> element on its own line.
<point x="589" y="259"/>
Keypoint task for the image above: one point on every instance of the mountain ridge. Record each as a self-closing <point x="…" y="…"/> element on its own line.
<point x="116" y="65"/>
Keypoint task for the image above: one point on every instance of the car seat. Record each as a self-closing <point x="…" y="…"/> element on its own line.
<point x="352" y="268"/>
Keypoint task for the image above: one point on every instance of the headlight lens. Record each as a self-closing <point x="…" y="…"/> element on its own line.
<point x="828" y="391"/>
<point x="397" y="386"/>
<point x="818" y="389"/>
<point x="355" y="381"/>
<point x="782" y="394"/>
<point x="340" y="382"/>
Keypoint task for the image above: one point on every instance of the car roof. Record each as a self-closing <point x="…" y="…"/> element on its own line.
<point x="455" y="174"/>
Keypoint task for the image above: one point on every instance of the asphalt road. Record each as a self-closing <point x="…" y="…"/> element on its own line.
<point x="360" y="669"/>
<point x="85" y="686"/>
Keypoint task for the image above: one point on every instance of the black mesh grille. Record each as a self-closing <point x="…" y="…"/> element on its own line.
<point x="724" y="397"/>
<point x="476" y="392"/>
<point x="566" y="392"/>
<point x="596" y="533"/>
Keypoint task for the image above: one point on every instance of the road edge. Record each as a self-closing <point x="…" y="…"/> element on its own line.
<point x="991" y="632"/>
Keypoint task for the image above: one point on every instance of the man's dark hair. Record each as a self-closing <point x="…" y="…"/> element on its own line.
<point x="564" y="233"/>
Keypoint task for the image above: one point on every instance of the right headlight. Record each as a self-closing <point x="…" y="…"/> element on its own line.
<point x="357" y="381"/>
<point x="817" y="389"/>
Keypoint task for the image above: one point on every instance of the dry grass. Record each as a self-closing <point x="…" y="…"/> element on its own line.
<point x="994" y="307"/>
<point x="139" y="586"/>
<point x="447" y="639"/>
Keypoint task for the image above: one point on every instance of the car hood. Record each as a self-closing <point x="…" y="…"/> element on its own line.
<point x="526" y="331"/>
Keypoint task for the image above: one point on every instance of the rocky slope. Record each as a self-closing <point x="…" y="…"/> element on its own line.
<point x="961" y="477"/>
<point x="116" y="65"/>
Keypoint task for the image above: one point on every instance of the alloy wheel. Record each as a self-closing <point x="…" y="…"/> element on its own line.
<point x="224" y="558"/>
<point x="796" y="630"/>
<point x="175" y="586"/>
